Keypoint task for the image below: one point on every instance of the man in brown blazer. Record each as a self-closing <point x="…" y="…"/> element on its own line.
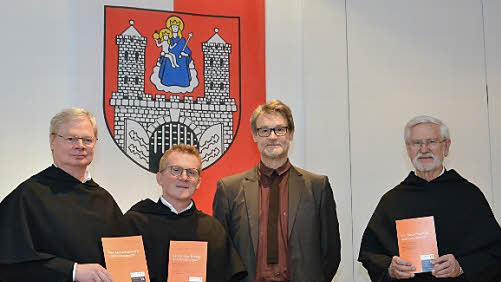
<point x="282" y="219"/>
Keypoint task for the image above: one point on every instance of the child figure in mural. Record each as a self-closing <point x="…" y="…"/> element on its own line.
<point x="162" y="39"/>
<point x="175" y="58"/>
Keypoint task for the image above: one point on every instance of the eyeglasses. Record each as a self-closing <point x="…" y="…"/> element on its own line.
<point x="430" y="143"/>
<point x="192" y="173"/>
<point x="265" y="131"/>
<point x="73" y="140"/>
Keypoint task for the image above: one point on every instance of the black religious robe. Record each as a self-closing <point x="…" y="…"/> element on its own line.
<point x="464" y="225"/>
<point x="159" y="225"/>
<point x="51" y="221"/>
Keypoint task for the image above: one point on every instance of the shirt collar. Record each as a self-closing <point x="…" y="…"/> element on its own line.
<point x="171" y="207"/>
<point x="443" y="171"/>
<point x="87" y="175"/>
<point x="264" y="170"/>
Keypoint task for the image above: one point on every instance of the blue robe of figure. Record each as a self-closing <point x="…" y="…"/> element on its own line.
<point x="176" y="76"/>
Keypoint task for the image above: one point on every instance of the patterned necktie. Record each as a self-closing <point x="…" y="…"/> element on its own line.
<point x="273" y="221"/>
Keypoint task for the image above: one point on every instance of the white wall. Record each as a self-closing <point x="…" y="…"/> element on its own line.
<point x="327" y="148"/>
<point x="353" y="76"/>
<point x="492" y="12"/>
<point x="30" y="71"/>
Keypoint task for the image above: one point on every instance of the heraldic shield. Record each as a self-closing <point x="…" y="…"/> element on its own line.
<point x="171" y="78"/>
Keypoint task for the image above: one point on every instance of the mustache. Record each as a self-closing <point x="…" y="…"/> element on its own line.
<point x="425" y="155"/>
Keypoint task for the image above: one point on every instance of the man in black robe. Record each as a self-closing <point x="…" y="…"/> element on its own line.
<point x="468" y="236"/>
<point x="52" y="223"/>
<point x="175" y="218"/>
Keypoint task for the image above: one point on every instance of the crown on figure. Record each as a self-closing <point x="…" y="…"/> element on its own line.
<point x="174" y="22"/>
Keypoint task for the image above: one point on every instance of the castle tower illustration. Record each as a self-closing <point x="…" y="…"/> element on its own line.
<point x="216" y="68"/>
<point x="131" y="51"/>
<point x="145" y="126"/>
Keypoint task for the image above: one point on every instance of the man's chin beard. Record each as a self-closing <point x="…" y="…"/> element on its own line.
<point x="426" y="167"/>
<point x="276" y="156"/>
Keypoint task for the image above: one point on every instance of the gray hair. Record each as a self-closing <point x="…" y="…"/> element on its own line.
<point x="70" y="114"/>
<point x="444" y="130"/>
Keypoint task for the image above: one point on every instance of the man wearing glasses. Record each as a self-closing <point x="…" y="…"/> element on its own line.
<point x="281" y="218"/>
<point x="52" y="223"/>
<point x="468" y="236"/>
<point x="175" y="217"/>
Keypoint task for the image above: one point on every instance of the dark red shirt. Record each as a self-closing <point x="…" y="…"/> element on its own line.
<point x="273" y="272"/>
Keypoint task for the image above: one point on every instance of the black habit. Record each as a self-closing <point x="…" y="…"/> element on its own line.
<point x="51" y="221"/>
<point x="464" y="225"/>
<point x="158" y="225"/>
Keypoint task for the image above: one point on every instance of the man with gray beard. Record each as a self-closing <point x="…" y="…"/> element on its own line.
<point x="468" y="236"/>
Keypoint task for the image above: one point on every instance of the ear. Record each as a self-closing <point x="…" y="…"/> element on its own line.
<point x="159" y="177"/>
<point x="447" y="144"/>
<point x="198" y="183"/>
<point x="254" y="137"/>
<point x="409" y="150"/>
<point x="52" y="137"/>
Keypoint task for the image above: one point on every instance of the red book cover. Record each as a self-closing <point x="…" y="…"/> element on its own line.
<point x="417" y="242"/>
<point x="187" y="261"/>
<point x="125" y="259"/>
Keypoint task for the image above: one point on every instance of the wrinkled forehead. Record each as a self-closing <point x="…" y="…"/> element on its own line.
<point x="425" y="131"/>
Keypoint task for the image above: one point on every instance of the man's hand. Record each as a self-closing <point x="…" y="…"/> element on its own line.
<point x="446" y="266"/>
<point x="400" y="269"/>
<point x="91" y="272"/>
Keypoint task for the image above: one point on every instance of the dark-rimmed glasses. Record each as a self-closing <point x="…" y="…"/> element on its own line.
<point x="265" y="131"/>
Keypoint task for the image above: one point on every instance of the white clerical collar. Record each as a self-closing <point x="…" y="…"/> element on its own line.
<point x="443" y="171"/>
<point x="171" y="207"/>
<point x="87" y="175"/>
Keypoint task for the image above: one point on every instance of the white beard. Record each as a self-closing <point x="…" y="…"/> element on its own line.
<point x="426" y="167"/>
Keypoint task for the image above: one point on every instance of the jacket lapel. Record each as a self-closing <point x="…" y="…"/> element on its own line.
<point x="296" y="186"/>
<point x="251" y="192"/>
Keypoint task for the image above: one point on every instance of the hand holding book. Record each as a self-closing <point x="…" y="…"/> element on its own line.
<point x="446" y="266"/>
<point x="88" y="272"/>
<point x="400" y="268"/>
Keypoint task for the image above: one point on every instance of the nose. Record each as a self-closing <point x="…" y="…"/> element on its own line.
<point x="424" y="147"/>
<point x="79" y="143"/>
<point x="184" y="175"/>
<point x="273" y="135"/>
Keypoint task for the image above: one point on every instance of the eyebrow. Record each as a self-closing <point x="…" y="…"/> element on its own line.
<point x="278" y="125"/>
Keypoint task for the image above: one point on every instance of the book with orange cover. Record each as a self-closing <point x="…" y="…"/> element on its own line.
<point x="125" y="259"/>
<point x="187" y="261"/>
<point x="417" y="242"/>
